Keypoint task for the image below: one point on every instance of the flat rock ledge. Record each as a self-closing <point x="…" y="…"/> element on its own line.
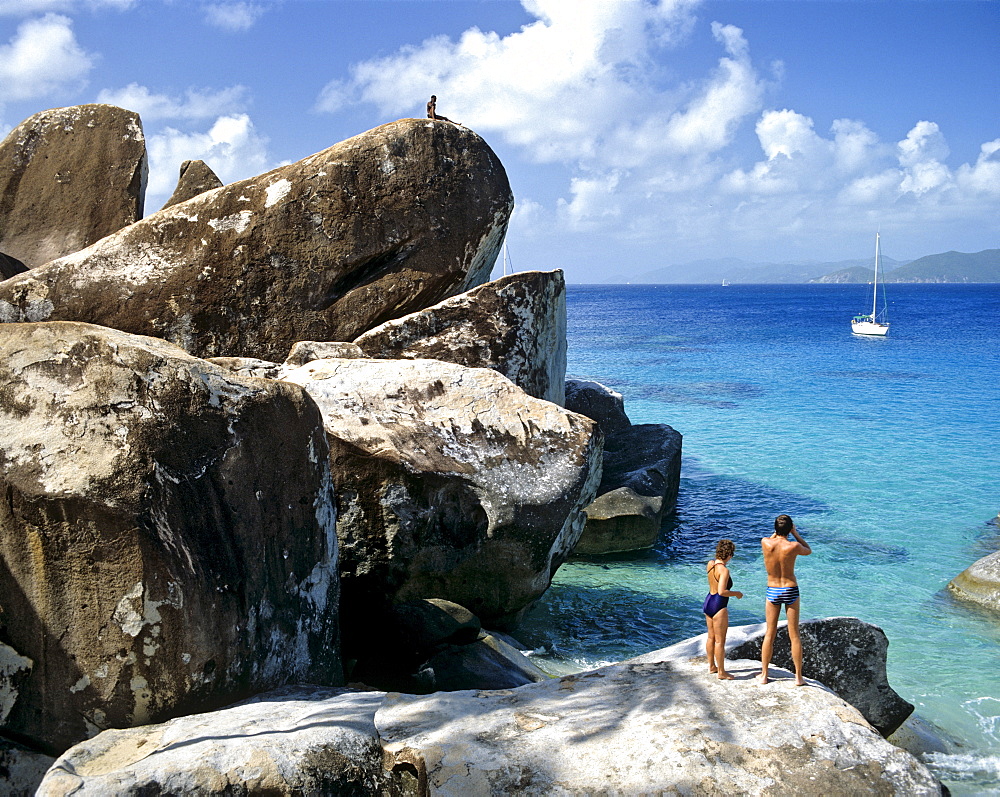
<point x="630" y="728"/>
<point x="980" y="582"/>
<point x="845" y="654"/>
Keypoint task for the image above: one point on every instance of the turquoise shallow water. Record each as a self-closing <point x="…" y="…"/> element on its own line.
<point x="884" y="451"/>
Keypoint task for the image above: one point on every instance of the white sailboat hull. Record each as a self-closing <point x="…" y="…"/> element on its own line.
<point x="869" y="328"/>
<point x="869" y="324"/>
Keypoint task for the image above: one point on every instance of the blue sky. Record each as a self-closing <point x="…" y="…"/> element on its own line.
<point x="636" y="134"/>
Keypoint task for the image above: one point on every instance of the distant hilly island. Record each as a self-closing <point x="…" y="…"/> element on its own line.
<point x="945" y="267"/>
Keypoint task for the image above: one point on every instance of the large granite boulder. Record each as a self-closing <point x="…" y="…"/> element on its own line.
<point x="980" y="582"/>
<point x="665" y="727"/>
<point x="195" y="178"/>
<point x="641" y="473"/>
<point x="69" y="177"/>
<point x="599" y="403"/>
<point x="845" y="654"/>
<point x="631" y="728"/>
<point x="452" y="483"/>
<point x="167" y="534"/>
<point x="639" y="486"/>
<point x="384" y="224"/>
<point x="294" y="740"/>
<point x="515" y="325"/>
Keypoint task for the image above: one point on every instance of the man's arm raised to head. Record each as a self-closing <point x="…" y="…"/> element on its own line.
<point x="805" y="545"/>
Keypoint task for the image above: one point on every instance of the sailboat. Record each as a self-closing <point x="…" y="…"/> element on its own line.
<point x="507" y="267"/>
<point x="875" y="323"/>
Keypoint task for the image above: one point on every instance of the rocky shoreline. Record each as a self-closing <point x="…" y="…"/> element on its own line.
<point x="284" y="435"/>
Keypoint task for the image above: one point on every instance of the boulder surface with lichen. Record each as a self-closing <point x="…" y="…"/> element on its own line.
<point x="167" y="534"/>
<point x="69" y="177"/>
<point x="386" y="223"/>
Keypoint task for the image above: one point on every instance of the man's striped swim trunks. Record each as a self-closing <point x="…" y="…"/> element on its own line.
<point x="781" y="595"/>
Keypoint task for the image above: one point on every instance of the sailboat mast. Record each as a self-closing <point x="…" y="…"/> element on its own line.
<point x="875" y="285"/>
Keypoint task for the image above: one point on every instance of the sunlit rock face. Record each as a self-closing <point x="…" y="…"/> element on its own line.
<point x="381" y="225"/>
<point x="980" y="582"/>
<point x="167" y="532"/>
<point x="69" y="177"/>
<point x="644" y="728"/>
<point x="452" y="483"/>
<point x="515" y="325"/>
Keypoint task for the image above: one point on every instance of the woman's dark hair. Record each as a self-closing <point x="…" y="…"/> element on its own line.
<point x="724" y="549"/>
<point x="783" y="525"/>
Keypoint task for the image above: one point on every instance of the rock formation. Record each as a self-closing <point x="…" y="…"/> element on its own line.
<point x="167" y="533"/>
<point x="451" y="483"/>
<point x="305" y="351"/>
<point x="489" y="662"/>
<point x="666" y="727"/>
<point x="195" y="178"/>
<point x="431" y="644"/>
<point x="980" y="582"/>
<point x="641" y="474"/>
<point x="599" y="403"/>
<point x="69" y="177"/>
<point x="843" y="653"/>
<point x="384" y="224"/>
<point x="515" y="325"/>
<point x="631" y="728"/>
<point x="304" y="740"/>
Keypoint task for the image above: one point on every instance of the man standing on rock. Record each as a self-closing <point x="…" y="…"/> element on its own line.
<point x="782" y="589"/>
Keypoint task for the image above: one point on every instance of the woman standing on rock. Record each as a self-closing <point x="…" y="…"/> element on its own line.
<point x="715" y="608"/>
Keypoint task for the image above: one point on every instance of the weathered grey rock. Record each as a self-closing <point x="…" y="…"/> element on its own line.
<point x="167" y="534"/>
<point x="845" y="654"/>
<point x="248" y="366"/>
<point x="451" y="483"/>
<point x="21" y="769"/>
<point x="515" y="325"/>
<point x="296" y="740"/>
<point x="426" y="623"/>
<point x="195" y="178"/>
<point x="9" y="266"/>
<point x="378" y="226"/>
<point x="598" y="402"/>
<point x="69" y="177"/>
<point x="14" y="671"/>
<point x="305" y="351"/>
<point x="488" y="663"/>
<point x="980" y="582"/>
<point x="642" y="472"/>
<point x="666" y="727"/>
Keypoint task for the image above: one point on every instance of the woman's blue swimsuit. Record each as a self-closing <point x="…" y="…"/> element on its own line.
<point x="715" y="602"/>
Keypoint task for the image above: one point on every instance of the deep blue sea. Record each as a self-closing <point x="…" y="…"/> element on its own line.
<point x="886" y="452"/>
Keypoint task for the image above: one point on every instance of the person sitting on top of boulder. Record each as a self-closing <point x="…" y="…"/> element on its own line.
<point x="432" y="111"/>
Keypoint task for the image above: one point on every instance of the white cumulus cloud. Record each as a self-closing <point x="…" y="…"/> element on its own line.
<point x="195" y="104"/>
<point x="232" y="148"/>
<point x="647" y="152"/>
<point x="42" y="58"/>
<point x="233" y="17"/>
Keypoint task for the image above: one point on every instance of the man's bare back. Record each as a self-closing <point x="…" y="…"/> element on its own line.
<point x="780" y="553"/>
<point x="779" y="558"/>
